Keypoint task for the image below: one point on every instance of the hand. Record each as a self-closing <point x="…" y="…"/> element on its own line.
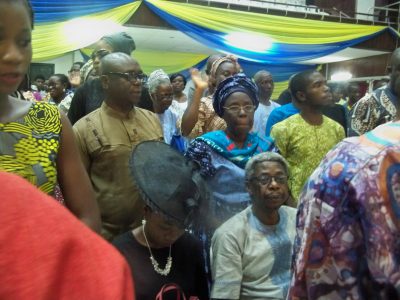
<point x="75" y="79"/>
<point x="198" y="81"/>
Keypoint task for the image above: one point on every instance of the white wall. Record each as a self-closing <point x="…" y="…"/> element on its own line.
<point x="364" y="6"/>
<point x="63" y="63"/>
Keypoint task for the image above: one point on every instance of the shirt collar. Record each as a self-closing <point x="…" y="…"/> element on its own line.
<point x="117" y="114"/>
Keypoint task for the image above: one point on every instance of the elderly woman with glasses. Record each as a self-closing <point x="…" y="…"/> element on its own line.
<point x="223" y="154"/>
<point x="251" y="252"/>
<point x="161" y="251"/>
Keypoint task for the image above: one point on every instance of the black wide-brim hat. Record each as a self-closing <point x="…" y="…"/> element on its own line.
<point x="168" y="182"/>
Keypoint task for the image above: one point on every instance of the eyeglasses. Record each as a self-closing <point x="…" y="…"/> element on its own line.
<point x="266" y="179"/>
<point x="237" y="108"/>
<point x="130" y="76"/>
<point x="99" y="54"/>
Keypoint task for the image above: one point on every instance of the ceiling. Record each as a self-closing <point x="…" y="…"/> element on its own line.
<point x="160" y="39"/>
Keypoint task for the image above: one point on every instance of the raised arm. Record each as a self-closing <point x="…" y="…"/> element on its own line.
<point x="191" y="115"/>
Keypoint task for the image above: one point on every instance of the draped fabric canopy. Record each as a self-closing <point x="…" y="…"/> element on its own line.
<point x="261" y="37"/>
<point x="53" y="39"/>
<point x="261" y="41"/>
<point x="52" y="11"/>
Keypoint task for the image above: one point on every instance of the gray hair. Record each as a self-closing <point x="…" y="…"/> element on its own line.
<point x="157" y="78"/>
<point x="263" y="157"/>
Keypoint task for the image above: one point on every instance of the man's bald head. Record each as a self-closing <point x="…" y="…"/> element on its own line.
<point x="260" y="75"/>
<point x="113" y="62"/>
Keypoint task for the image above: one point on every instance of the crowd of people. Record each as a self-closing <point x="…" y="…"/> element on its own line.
<point x="219" y="192"/>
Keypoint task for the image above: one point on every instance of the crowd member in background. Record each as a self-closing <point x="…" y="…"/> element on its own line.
<point x="106" y="138"/>
<point x="74" y="74"/>
<point x="180" y="100"/>
<point x="200" y="117"/>
<point x="337" y="93"/>
<point x="305" y="138"/>
<point x="90" y="95"/>
<point x="279" y="114"/>
<point x="62" y="265"/>
<point x="37" y="141"/>
<point x="222" y="154"/>
<point x="251" y="252"/>
<point x="284" y="98"/>
<point x="160" y="251"/>
<point x="39" y="81"/>
<point x="336" y="112"/>
<point x="353" y="95"/>
<point x="60" y="92"/>
<point x="347" y="243"/>
<point x="285" y="111"/>
<point x="205" y="76"/>
<point x="39" y="89"/>
<point x="380" y="106"/>
<point x="265" y="84"/>
<point x="161" y="93"/>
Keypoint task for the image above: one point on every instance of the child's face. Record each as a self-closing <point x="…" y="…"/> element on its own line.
<point x="15" y="45"/>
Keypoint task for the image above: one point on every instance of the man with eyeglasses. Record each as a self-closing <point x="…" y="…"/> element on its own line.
<point x="106" y="138"/>
<point x="90" y="94"/>
<point x="251" y="252"/>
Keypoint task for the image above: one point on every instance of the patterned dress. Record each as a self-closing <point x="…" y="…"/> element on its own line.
<point x="348" y="225"/>
<point x="29" y="146"/>
<point x="372" y="110"/>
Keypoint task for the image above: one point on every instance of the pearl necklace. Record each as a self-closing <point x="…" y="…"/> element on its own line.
<point x="156" y="267"/>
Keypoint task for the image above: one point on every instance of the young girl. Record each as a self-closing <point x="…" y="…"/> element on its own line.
<point x="36" y="140"/>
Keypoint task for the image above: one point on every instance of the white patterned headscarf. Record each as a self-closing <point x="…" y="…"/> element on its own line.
<point x="157" y="78"/>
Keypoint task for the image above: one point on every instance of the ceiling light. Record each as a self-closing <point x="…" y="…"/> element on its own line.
<point x="249" y="41"/>
<point x="341" y="76"/>
<point x="82" y="32"/>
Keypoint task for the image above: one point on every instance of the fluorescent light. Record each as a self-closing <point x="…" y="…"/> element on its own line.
<point x="82" y="32"/>
<point x="249" y="41"/>
<point x="341" y="76"/>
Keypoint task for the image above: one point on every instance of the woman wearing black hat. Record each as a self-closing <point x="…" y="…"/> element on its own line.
<point x="160" y="251"/>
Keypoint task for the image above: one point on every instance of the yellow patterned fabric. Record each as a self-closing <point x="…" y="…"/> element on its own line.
<point x="29" y="146"/>
<point x="304" y="146"/>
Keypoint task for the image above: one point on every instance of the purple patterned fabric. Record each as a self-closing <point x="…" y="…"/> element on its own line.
<point x="348" y="223"/>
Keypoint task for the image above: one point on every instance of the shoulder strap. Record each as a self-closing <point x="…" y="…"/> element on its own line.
<point x="171" y="287"/>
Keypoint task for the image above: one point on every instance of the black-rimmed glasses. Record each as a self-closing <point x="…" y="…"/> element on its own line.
<point x="237" y="108"/>
<point x="130" y="76"/>
<point x="266" y="179"/>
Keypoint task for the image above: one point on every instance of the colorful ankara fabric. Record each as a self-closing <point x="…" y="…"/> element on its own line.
<point x="251" y="260"/>
<point x="348" y="224"/>
<point x="29" y="146"/>
<point x="279" y="114"/>
<point x="372" y="110"/>
<point x="304" y="146"/>
<point x="220" y="142"/>
<point x="234" y="84"/>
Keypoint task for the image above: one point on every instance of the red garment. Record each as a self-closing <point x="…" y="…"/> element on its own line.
<point x="46" y="253"/>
